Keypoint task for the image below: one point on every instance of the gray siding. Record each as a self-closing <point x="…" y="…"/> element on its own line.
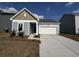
<point x="5" y="22"/>
<point x="67" y="24"/>
<point x="26" y="28"/>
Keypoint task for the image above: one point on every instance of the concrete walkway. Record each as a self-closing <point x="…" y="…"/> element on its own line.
<point x="32" y="37"/>
<point x="58" y="46"/>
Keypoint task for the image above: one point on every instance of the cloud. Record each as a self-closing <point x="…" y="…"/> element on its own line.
<point x="9" y="10"/>
<point x="69" y="4"/>
<point x="38" y="16"/>
<point x="76" y="11"/>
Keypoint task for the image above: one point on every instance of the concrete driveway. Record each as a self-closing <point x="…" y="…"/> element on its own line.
<point x="58" y="46"/>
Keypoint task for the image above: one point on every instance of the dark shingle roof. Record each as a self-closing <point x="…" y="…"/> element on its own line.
<point x="47" y="20"/>
<point x="6" y="13"/>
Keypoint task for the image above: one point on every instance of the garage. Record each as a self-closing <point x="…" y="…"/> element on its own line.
<point x="49" y="28"/>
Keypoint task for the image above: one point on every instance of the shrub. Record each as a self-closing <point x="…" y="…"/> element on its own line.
<point x="13" y="33"/>
<point x="37" y="36"/>
<point x="21" y="34"/>
<point x="6" y="30"/>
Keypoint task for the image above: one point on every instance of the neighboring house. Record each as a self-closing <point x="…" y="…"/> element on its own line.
<point x="5" y="22"/>
<point x="29" y="24"/>
<point x="69" y="24"/>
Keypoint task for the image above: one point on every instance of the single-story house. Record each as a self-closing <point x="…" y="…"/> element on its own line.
<point x="69" y="24"/>
<point x="29" y="24"/>
<point x="26" y="22"/>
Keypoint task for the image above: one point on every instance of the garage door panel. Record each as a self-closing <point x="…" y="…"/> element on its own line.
<point x="47" y="30"/>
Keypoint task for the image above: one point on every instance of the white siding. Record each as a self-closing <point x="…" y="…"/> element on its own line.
<point x="26" y="25"/>
<point x="14" y="26"/>
<point x="77" y="24"/>
<point x="26" y="28"/>
<point x="37" y="29"/>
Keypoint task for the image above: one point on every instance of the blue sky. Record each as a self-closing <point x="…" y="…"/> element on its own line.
<point x="50" y="10"/>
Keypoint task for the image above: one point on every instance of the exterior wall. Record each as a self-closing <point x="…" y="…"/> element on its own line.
<point x="37" y="28"/>
<point x="52" y="25"/>
<point x="77" y="24"/>
<point x="26" y="28"/>
<point x="14" y="26"/>
<point x="24" y="15"/>
<point x="5" y="22"/>
<point x="67" y="24"/>
<point x="26" y="25"/>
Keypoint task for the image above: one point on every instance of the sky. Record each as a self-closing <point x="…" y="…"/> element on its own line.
<point x="46" y="10"/>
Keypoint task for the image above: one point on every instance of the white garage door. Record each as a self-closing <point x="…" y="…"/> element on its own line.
<point x="47" y="30"/>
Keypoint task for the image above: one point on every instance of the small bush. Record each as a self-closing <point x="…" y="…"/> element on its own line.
<point x="13" y="33"/>
<point x="37" y="36"/>
<point x="6" y="30"/>
<point x="21" y="34"/>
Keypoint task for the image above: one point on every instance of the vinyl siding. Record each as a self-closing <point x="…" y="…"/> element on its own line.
<point x="77" y="23"/>
<point x="26" y="28"/>
<point x="14" y="26"/>
<point x="5" y="22"/>
<point x="68" y="24"/>
<point x="21" y="16"/>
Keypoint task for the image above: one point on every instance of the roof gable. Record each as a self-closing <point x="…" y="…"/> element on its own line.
<point x="24" y="14"/>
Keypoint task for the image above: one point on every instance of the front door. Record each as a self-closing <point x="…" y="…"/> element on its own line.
<point x="33" y="27"/>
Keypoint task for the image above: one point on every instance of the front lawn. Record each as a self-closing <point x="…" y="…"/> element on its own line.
<point x="18" y="47"/>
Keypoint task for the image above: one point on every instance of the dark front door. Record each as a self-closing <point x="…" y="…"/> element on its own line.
<point x="33" y="27"/>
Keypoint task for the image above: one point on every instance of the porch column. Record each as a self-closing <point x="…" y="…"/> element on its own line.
<point x="37" y="28"/>
<point x="28" y="28"/>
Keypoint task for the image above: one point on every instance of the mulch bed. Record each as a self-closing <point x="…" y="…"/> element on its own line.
<point x="71" y="36"/>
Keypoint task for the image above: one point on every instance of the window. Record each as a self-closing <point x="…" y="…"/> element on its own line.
<point x="20" y="27"/>
<point x="24" y="14"/>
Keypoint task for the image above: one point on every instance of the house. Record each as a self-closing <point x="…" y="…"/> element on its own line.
<point x="5" y="22"/>
<point x="26" y="22"/>
<point x="69" y="24"/>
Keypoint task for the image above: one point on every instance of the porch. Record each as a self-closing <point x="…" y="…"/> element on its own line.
<point x="24" y="26"/>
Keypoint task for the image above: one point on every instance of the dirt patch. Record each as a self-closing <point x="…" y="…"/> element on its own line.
<point x="18" y="47"/>
<point x="71" y="36"/>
